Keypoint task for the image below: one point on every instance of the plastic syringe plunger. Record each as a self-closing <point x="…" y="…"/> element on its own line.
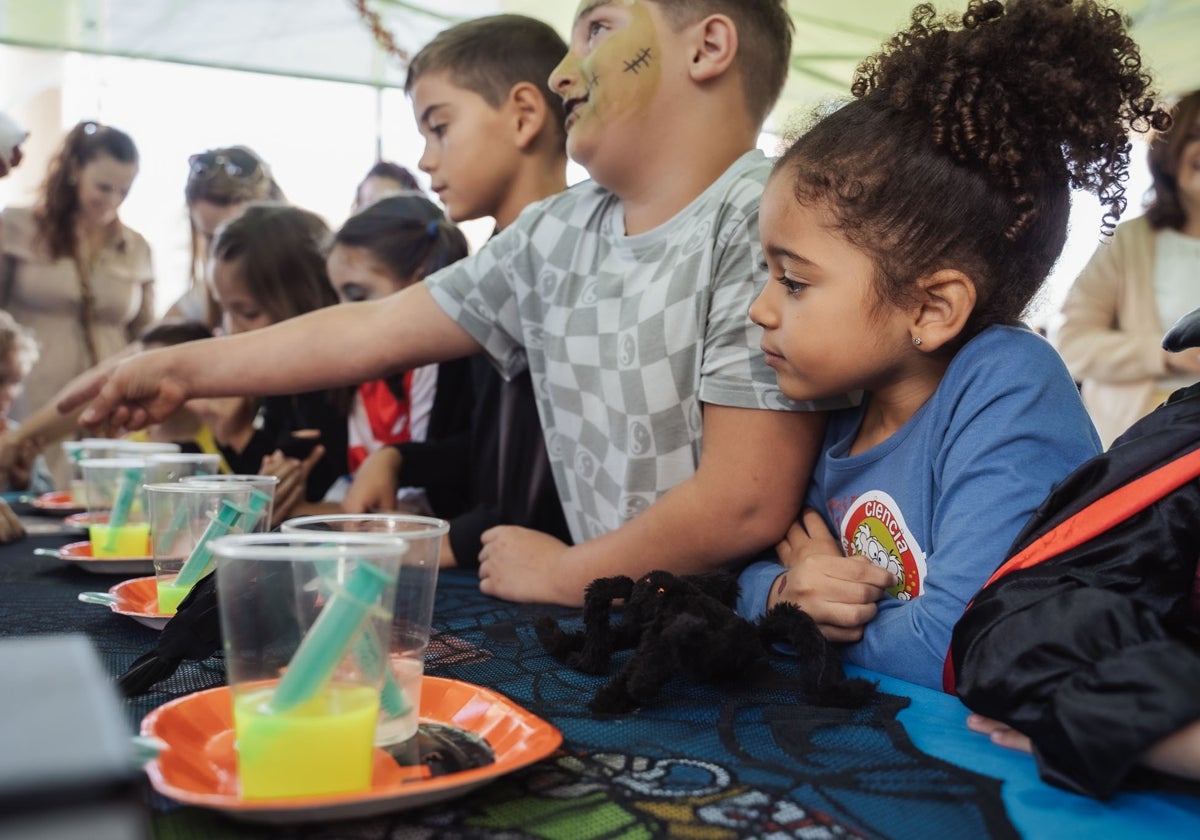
<point x="131" y="477"/>
<point x="330" y="636"/>
<point x="255" y="507"/>
<point x="200" y="559"/>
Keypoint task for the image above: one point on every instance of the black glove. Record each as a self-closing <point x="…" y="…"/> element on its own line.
<point x="193" y="633"/>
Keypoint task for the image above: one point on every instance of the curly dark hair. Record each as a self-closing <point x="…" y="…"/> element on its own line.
<point x="966" y="137"/>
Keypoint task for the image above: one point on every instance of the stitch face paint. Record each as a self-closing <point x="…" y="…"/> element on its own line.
<point x="611" y="75"/>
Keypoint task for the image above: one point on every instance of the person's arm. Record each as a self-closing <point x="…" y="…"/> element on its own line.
<point x="1098" y="338"/>
<point x="47" y="425"/>
<point x="145" y="314"/>
<point x="753" y="469"/>
<point x="42" y="428"/>
<point x="11" y="528"/>
<point x="336" y="345"/>
<point x="1178" y="754"/>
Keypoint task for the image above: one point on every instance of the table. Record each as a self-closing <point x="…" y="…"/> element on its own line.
<point x="702" y="762"/>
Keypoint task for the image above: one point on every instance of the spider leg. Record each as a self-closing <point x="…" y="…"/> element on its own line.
<point x="555" y="640"/>
<point x="640" y="680"/>
<point x="822" y="676"/>
<point x="595" y="653"/>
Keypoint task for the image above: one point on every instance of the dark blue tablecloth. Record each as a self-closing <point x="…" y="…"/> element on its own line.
<point x="702" y="762"/>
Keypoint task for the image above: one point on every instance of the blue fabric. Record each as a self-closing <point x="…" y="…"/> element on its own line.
<point x="942" y="499"/>
<point x="936" y="723"/>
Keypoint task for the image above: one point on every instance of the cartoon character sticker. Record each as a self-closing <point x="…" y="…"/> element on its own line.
<point x="874" y="527"/>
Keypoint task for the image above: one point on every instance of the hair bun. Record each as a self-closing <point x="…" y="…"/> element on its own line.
<point x="1028" y="91"/>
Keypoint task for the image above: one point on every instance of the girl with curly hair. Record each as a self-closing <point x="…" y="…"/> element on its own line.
<point x="905" y="234"/>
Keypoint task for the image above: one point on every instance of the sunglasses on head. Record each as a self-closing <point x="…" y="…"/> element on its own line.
<point x="231" y="163"/>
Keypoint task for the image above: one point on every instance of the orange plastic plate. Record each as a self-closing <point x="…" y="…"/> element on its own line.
<point x="198" y="765"/>
<point x="83" y="519"/>
<point x="80" y="554"/>
<point x="138" y="599"/>
<point x="57" y="501"/>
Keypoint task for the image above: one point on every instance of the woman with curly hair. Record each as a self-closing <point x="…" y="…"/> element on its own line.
<point x="1136" y="286"/>
<point x="905" y="234"/>
<point x="72" y="273"/>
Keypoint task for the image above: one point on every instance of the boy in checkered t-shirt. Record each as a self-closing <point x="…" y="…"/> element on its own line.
<point x="626" y="297"/>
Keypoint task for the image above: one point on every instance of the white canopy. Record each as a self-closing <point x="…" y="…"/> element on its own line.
<point x="332" y="39"/>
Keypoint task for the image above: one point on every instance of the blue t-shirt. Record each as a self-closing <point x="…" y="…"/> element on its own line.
<point x="940" y="501"/>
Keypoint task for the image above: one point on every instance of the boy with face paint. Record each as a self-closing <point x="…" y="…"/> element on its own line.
<point x="625" y="297"/>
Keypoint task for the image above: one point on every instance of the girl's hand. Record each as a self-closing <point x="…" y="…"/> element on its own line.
<point x="20" y="471"/>
<point x="293" y="479"/>
<point x="1000" y="733"/>
<point x="11" y="528"/>
<point x="374" y="486"/>
<point x="838" y="592"/>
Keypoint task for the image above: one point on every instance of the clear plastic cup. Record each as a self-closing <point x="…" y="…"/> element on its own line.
<point x="172" y="466"/>
<point x="305" y="621"/>
<point x="142" y="448"/>
<point x="184" y="521"/>
<point x="76" y="451"/>
<point x="117" y="525"/>
<point x="413" y="610"/>
<point x="265" y="483"/>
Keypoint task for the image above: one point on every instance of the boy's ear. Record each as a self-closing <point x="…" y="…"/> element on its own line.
<point x="946" y="300"/>
<point x="528" y="108"/>
<point x="714" y="47"/>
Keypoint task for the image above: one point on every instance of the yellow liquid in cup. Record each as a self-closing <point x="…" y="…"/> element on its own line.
<point x="321" y="747"/>
<point x="129" y="541"/>
<point x="169" y="596"/>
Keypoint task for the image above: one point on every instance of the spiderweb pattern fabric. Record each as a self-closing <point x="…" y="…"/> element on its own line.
<point x="802" y="770"/>
<point x="703" y="762"/>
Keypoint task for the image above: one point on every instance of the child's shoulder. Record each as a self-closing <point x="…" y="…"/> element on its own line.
<point x="1009" y="360"/>
<point x="1007" y="348"/>
<point x="725" y="212"/>
<point x="1009" y="383"/>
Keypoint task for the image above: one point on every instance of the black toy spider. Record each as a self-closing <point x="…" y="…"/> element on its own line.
<point x="687" y="625"/>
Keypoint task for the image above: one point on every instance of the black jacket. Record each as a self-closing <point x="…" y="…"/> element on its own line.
<point x="1087" y="640"/>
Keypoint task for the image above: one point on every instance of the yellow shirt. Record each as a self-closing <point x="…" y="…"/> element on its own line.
<point x="203" y="439"/>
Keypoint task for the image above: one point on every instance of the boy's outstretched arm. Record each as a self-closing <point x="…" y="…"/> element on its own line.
<point x="337" y="345"/>
<point x="749" y="486"/>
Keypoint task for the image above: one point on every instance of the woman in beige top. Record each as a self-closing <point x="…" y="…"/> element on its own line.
<point x="72" y="272"/>
<point x="1136" y="286"/>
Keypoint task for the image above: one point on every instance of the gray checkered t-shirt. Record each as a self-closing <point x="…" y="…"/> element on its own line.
<point x="624" y="336"/>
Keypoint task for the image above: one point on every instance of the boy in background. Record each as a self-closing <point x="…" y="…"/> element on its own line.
<point x="499" y="146"/>
<point x="626" y="298"/>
